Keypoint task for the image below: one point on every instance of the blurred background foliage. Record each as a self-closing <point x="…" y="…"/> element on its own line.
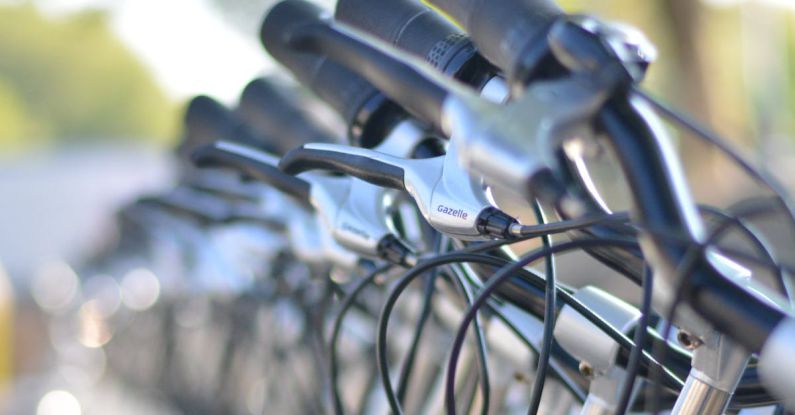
<point x="729" y="64"/>
<point x="65" y="79"/>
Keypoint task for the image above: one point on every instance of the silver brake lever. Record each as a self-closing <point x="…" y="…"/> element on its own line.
<point x="351" y="212"/>
<point x="451" y="200"/>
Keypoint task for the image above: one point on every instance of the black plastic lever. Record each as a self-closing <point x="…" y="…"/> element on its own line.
<point x="213" y="155"/>
<point x="372" y="171"/>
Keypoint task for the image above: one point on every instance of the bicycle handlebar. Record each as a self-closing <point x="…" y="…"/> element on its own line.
<point x="423" y="96"/>
<point x="276" y="112"/>
<point x="420" y="96"/>
<point x="661" y="202"/>
<point x="411" y="26"/>
<point x="346" y="92"/>
<point x="506" y="32"/>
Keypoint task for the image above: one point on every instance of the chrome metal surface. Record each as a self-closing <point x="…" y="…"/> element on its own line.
<point x="700" y="399"/>
<point x="719" y="362"/>
<point x="777" y="362"/>
<point x="402" y="139"/>
<point x="447" y="196"/>
<point x="333" y="251"/>
<point x="496" y="90"/>
<point x="510" y="144"/>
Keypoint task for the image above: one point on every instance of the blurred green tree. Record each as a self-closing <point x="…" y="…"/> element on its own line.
<point x="69" y="79"/>
<point x="15" y="120"/>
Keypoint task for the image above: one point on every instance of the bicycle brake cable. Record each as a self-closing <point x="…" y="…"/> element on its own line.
<point x="550" y="307"/>
<point x="507" y="271"/>
<point x="346" y="304"/>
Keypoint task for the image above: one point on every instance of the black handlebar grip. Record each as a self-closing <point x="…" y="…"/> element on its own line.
<point x="411" y="26"/>
<point x="275" y="29"/>
<point x="211" y="155"/>
<point x="207" y="120"/>
<point x="204" y="118"/>
<point x="372" y="171"/>
<point x="417" y="93"/>
<point x="505" y="31"/>
<point x="274" y="111"/>
<point x="346" y="92"/>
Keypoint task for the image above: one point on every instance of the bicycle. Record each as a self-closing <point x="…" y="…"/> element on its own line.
<point x="451" y="136"/>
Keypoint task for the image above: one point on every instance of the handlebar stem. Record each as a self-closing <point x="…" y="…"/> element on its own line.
<point x="718" y="366"/>
<point x="600" y="352"/>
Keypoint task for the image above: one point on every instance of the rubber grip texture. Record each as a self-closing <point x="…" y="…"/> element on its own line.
<point x="503" y="30"/>
<point x="408" y="25"/>
<point x="274" y="111"/>
<point x="338" y="86"/>
<point x="418" y="94"/>
<point x="210" y="155"/>
<point x="372" y="171"/>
